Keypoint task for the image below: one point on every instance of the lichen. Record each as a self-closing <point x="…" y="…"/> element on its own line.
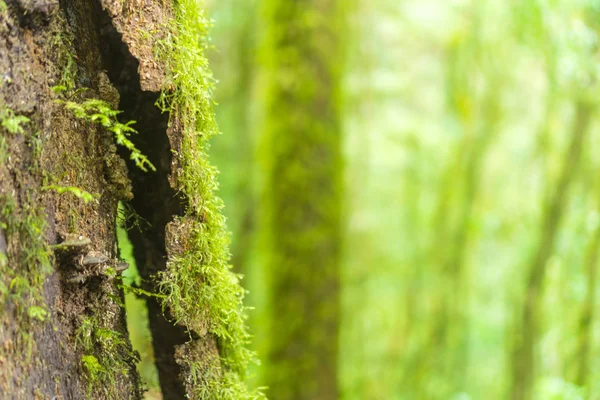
<point x="201" y="291"/>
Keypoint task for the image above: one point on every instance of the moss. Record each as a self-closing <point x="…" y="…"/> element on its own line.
<point x="75" y="191"/>
<point x="27" y="260"/>
<point x="100" y="112"/>
<point x="106" y="356"/>
<point x="62" y="46"/>
<point x="201" y="291"/>
<point x="11" y="122"/>
<point x="25" y="266"/>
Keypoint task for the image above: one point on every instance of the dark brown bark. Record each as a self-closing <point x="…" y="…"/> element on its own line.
<point x="91" y="45"/>
<point x="41" y="42"/>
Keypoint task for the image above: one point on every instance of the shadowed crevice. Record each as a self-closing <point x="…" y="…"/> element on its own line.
<point x="154" y="199"/>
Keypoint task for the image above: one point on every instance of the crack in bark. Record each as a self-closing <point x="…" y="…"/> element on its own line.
<point x="154" y="199"/>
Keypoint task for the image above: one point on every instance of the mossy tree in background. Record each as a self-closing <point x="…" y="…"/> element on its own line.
<point x="302" y="196"/>
<point x="529" y="323"/>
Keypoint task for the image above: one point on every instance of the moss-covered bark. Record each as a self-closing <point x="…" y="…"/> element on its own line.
<point x="302" y="196"/>
<point x="66" y="69"/>
<point x="62" y="331"/>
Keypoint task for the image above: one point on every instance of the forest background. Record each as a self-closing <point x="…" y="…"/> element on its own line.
<point x="468" y="215"/>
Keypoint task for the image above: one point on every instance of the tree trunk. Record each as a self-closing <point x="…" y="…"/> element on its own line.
<point x="63" y="331"/>
<point x="586" y="319"/>
<point x="303" y="197"/>
<point x="523" y="357"/>
<point x="67" y="66"/>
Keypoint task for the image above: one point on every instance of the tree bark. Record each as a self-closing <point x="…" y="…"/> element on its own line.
<point x="62" y="333"/>
<point x="67" y="66"/>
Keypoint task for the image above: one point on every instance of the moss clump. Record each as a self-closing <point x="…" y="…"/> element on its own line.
<point x="25" y="259"/>
<point x="24" y="269"/>
<point x="106" y="355"/>
<point x="201" y="290"/>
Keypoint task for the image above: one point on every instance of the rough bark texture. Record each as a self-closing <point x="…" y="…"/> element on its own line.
<point x="49" y="321"/>
<point x="154" y="200"/>
<point x="66" y="68"/>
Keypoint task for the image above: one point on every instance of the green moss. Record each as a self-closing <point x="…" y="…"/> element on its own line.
<point x="11" y="122"/>
<point x="100" y="112"/>
<point x="77" y="192"/>
<point x="62" y="47"/>
<point x="27" y="261"/>
<point x="106" y="355"/>
<point x="202" y="291"/>
<point x="25" y="267"/>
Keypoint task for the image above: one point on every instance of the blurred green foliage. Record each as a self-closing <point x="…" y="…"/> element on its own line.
<point x="471" y="205"/>
<point x="137" y="318"/>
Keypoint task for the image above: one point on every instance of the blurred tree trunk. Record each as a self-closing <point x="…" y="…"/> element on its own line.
<point x="526" y="336"/>
<point x="303" y="197"/>
<point x="586" y="325"/>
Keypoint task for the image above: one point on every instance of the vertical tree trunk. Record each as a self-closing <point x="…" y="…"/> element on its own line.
<point x="62" y="332"/>
<point x="303" y="197"/>
<point x="67" y="67"/>
<point x="523" y="361"/>
<point x="586" y="321"/>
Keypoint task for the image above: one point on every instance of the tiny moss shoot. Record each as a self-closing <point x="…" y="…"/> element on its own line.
<point x="77" y="192"/>
<point x="100" y="112"/>
<point x="11" y="122"/>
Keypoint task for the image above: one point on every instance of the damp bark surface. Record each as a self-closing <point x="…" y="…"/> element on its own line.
<point x="66" y="66"/>
<point x="50" y="322"/>
<point x="53" y="313"/>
